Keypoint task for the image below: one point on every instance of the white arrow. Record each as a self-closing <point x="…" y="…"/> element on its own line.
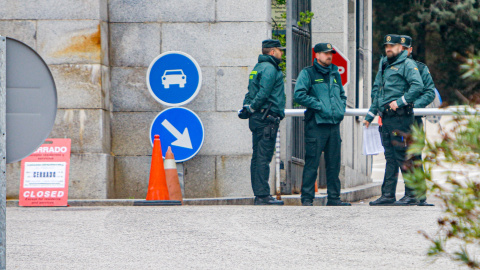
<point x="183" y="140"/>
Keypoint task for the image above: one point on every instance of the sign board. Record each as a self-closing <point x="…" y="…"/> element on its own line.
<point x="279" y="13"/>
<point x="181" y="129"/>
<point x="31" y="100"/>
<point x="174" y="78"/>
<point x="44" y="175"/>
<point x="343" y="64"/>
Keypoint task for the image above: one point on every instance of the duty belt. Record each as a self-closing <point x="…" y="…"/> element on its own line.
<point x="262" y="111"/>
<point x="404" y="111"/>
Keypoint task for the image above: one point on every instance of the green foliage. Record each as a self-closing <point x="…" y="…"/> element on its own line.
<point x="471" y="68"/>
<point x="459" y="227"/>
<point x="305" y="18"/>
<point x="445" y="33"/>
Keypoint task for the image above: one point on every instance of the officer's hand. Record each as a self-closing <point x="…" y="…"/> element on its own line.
<point x="366" y="123"/>
<point x="394" y="105"/>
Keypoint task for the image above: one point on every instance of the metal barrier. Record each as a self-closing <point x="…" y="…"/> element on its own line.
<point x="357" y="112"/>
<point x="363" y="112"/>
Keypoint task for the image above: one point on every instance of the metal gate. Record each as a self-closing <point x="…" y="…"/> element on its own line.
<point x="299" y="55"/>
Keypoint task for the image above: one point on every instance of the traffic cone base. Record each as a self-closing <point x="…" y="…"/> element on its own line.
<point x="156" y="203"/>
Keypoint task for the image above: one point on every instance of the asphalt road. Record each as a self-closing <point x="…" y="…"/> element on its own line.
<point x="221" y="237"/>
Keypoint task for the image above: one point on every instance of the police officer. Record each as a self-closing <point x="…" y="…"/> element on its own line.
<point x="265" y="105"/>
<point x="319" y="88"/>
<point x="424" y="99"/>
<point x="396" y="87"/>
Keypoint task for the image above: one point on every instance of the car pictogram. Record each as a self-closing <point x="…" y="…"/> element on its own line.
<point x="174" y="76"/>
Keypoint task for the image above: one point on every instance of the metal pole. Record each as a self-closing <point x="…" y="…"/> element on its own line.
<point x="3" y="145"/>
<point x="289" y="98"/>
<point x="363" y="112"/>
<point x="278" y="190"/>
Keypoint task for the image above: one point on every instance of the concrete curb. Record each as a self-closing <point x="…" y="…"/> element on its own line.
<point x="350" y="195"/>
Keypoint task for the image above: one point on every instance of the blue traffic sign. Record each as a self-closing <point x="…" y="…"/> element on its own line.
<point x="181" y="129"/>
<point x="174" y="78"/>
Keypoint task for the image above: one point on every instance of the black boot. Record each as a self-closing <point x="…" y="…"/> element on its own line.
<point x="407" y="200"/>
<point x="267" y="200"/>
<point x="424" y="203"/>
<point x="337" y="203"/>
<point x="307" y="203"/>
<point x="384" y="200"/>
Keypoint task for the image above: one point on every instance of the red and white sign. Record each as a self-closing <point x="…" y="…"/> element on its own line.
<point x="343" y="64"/>
<point x="44" y="176"/>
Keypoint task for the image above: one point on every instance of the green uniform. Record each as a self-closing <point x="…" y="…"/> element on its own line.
<point x="266" y="86"/>
<point x="320" y="90"/>
<point x="397" y="81"/>
<point x="428" y="94"/>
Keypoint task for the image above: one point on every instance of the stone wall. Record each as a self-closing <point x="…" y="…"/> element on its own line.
<point x="72" y="37"/>
<point x="99" y="52"/>
<point x="225" y="38"/>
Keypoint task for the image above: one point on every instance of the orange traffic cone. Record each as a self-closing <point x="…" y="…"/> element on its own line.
<point x="174" y="189"/>
<point x="316" y="186"/>
<point x="157" y="185"/>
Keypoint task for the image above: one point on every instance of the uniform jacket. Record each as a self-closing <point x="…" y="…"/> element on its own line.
<point x="323" y="95"/>
<point x="266" y="86"/>
<point x="400" y="81"/>
<point x="428" y="94"/>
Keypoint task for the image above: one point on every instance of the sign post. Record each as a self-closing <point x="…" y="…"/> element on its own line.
<point x="181" y="129"/>
<point x="44" y="175"/>
<point x="3" y="154"/>
<point x="174" y="78"/>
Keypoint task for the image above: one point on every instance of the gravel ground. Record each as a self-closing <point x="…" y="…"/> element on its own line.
<point x="221" y="237"/>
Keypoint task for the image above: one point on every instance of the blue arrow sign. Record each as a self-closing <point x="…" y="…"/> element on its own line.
<point x="181" y="129"/>
<point x="174" y="78"/>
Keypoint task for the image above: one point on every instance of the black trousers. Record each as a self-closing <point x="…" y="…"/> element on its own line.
<point x="321" y="138"/>
<point x="395" y="130"/>
<point x="264" y="135"/>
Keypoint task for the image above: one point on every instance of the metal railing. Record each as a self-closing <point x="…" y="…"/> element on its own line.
<point x="358" y="112"/>
<point x="299" y="56"/>
<point x="363" y="112"/>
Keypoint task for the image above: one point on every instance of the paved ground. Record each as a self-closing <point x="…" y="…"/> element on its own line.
<point x="221" y="237"/>
<point x="225" y="237"/>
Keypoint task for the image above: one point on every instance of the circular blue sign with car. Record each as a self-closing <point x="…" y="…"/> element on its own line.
<point x="174" y="78"/>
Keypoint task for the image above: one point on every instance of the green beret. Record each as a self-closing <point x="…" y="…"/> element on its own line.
<point x="324" y="47"/>
<point x="406" y="41"/>
<point x="272" y="43"/>
<point x="391" y="39"/>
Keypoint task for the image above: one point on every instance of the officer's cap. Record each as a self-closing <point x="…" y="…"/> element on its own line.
<point x="392" y="39"/>
<point x="324" y="47"/>
<point x="272" y="43"/>
<point x="406" y="41"/>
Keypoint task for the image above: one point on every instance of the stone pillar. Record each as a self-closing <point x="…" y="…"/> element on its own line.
<point x="72" y="37"/>
<point x="225" y="39"/>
